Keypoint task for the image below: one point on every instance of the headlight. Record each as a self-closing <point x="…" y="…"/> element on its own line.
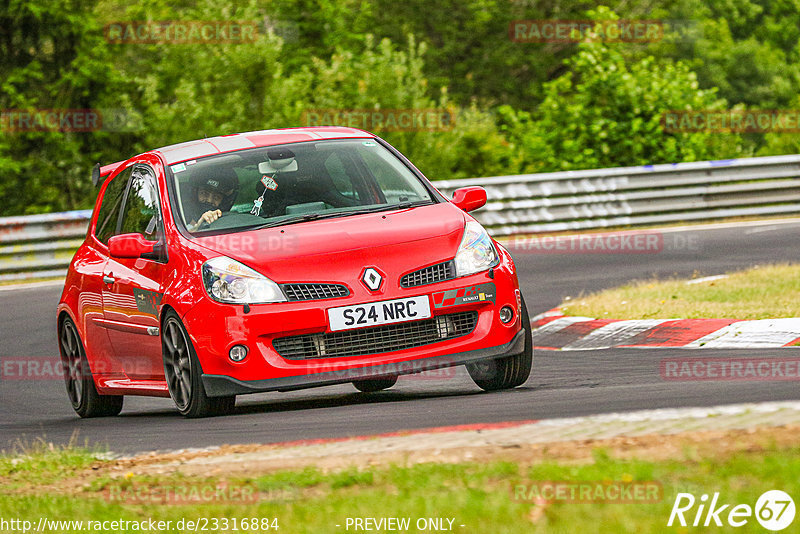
<point x="229" y="281"/>
<point x="476" y="252"/>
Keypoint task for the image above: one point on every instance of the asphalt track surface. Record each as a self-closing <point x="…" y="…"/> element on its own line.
<point x="563" y="383"/>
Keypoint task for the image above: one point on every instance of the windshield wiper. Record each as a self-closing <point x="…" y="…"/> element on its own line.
<point x="322" y="215"/>
<point x="291" y="220"/>
<point x="400" y="206"/>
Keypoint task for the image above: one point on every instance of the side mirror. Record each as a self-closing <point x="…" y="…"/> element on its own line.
<point x="469" y="198"/>
<point x="130" y="246"/>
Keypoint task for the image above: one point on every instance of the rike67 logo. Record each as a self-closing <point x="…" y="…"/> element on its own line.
<point x="774" y="510"/>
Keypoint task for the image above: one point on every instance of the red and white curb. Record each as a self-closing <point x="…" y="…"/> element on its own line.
<point x="553" y="330"/>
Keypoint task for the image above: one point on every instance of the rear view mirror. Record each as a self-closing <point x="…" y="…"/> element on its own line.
<point x="469" y="198"/>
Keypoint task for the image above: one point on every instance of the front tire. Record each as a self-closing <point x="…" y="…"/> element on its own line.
<point x="184" y="375"/>
<point x="83" y="395"/>
<point x="375" y="384"/>
<point x="508" y="372"/>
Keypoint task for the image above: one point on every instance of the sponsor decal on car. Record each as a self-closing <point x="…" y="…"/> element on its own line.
<point x="464" y="295"/>
<point x="147" y="301"/>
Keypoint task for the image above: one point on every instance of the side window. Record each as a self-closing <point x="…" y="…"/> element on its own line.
<point x="342" y="182"/>
<point x="110" y="206"/>
<point x="140" y="214"/>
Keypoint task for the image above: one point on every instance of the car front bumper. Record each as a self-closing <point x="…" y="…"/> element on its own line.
<point x="221" y="386"/>
<point x="214" y="328"/>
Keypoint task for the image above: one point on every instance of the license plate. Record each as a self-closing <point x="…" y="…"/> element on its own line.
<point x="378" y="313"/>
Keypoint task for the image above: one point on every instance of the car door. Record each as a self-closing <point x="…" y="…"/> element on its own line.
<point x="132" y="287"/>
<point x="91" y="266"/>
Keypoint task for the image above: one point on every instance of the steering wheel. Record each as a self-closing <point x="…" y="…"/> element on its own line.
<point x="231" y="219"/>
<point x="207" y="225"/>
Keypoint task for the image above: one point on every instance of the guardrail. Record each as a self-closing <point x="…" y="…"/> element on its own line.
<point x="636" y="196"/>
<point x="41" y="246"/>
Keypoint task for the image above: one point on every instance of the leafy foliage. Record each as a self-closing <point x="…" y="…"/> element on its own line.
<point x="517" y="107"/>
<point x="607" y="113"/>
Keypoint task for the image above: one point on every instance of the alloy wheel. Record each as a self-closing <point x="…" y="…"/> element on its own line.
<point x="177" y="363"/>
<point x="73" y="366"/>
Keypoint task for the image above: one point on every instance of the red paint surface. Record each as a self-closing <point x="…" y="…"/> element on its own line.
<point x="569" y="334"/>
<point x="677" y="333"/>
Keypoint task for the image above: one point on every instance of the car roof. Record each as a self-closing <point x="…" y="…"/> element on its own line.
<point x="229" y="143"/>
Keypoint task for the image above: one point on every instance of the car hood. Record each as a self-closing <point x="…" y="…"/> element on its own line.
<point x="337" y="250"/>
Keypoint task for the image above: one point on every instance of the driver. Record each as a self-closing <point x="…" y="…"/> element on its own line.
<point x="212" y="192"/>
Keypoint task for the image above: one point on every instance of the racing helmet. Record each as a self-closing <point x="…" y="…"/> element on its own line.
<point x="221" y="180"/>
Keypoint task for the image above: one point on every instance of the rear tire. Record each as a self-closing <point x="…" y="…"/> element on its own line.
<point x="508" y="372"/>
<point x="83" y="395"/>
<point x="184" y="375"/>
<point x="375" y="384"/>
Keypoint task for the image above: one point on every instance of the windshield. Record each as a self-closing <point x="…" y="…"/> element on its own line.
<point x="292" y="183"/>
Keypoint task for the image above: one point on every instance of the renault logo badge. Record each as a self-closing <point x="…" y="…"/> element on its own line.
<point x="372" y="279"/>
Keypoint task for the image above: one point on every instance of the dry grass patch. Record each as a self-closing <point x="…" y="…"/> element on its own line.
<point x="763" y="292"/>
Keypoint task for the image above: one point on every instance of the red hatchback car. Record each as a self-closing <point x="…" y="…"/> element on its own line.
<point x="280" y="260"/>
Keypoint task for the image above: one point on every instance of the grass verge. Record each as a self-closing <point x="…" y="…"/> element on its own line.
<point x="40" y="462"/>
<point x="764" y="292"/>
<point x="496" y="496"/>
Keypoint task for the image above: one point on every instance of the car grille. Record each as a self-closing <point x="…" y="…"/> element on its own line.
<point x="377" y="339"/>
<point x="430" y="275"/>
<point x="295" y="292"/>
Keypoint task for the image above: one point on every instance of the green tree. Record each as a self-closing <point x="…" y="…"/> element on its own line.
<point x="606" y="112"/>
<point x="51" y="57"/>
<point x="381" y="76"/>
<point x="747" y="49"/>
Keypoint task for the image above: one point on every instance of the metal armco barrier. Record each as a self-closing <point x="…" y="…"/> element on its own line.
<point x="635" y="196"/>
<point x="41" y="246"/>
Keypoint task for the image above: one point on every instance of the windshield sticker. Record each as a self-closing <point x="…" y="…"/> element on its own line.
<point x="269" y="183"/>
<point x="178" y="167"/>
<point x="369" y="143"/>
<point x="192" y="162"/>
